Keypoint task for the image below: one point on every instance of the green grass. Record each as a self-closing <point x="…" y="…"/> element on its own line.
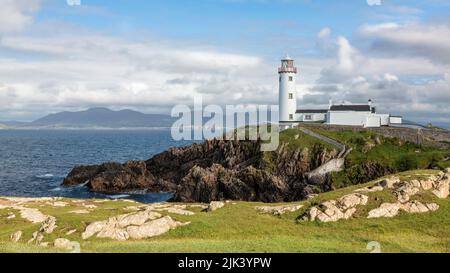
<point x="240" y="228"/>
<point x="296" y="139"/>
<point x="368" y="146"/>
<point x="382" y="154"/>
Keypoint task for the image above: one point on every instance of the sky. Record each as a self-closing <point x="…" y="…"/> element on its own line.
<point x="148" y="55"/>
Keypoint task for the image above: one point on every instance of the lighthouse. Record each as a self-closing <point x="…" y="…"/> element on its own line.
<point x="287" y="91"/>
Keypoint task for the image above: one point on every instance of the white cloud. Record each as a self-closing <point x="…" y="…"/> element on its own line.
<point x="374" y="2"/>
<point x="63" y="72"/>
<point x="418" y="40"/>
<point x="358" y="74"/>
<point x="324" y="33"/>
<point x="371" y="29"/>
<point x="15" y="15"/>
<point x="73" y="70"/>
<point x="346" y="54"/>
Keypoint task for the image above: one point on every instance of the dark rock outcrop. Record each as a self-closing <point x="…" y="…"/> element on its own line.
<point x="213" y="170"/>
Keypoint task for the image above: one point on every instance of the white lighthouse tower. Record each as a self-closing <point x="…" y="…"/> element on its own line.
<point x="287" y="92"/>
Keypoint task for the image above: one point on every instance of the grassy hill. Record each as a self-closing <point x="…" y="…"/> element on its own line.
<point x="373" y="155"/>
<point x="239" y="227"/>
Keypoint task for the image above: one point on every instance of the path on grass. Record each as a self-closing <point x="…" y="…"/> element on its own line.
<point x="342" y="147"/>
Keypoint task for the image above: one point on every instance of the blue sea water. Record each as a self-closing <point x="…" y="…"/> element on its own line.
<point x="33" y="163"/>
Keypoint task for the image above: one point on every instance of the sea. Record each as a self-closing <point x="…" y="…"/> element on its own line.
<point x="33" y="163"/>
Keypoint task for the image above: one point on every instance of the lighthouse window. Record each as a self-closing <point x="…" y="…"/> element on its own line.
<point x="291" y="96"/>
<point x="279" y="79"/>
<point x="291" y="78"/>
<point x="291" y="117"/>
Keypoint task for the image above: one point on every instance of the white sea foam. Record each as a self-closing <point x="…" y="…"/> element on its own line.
<point x="45" y="176"/>
<point x="118" y="196"/>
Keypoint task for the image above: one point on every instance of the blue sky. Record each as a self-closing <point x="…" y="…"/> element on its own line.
<point x="150" y="55"/>
<point x="251" y="26"/>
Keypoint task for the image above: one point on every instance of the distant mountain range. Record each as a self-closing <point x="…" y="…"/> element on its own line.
<point x="96" y="118"/>
<point x="106" y="118"/>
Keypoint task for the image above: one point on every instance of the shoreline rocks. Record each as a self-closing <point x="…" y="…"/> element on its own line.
<point x="211" y="171"/>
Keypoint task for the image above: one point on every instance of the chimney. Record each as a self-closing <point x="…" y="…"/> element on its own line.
<point x="372" y="109"/>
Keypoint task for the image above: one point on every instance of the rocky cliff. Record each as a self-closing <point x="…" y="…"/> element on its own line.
<point x="213" y="170"/>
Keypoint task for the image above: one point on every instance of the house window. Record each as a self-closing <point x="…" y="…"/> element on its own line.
<point x="291" y="117"/>
<point x="291" y="78"/>
<point x="308" y="117"/>
<point x="291" y="96"/>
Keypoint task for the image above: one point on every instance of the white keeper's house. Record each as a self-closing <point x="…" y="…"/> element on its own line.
<point x="364" y="115"/>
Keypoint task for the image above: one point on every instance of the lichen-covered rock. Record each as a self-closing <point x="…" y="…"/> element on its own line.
<point x="414" y="207"/>
<point x="389" y="182"/>
<point x="385" y="210"/>
<point x="37" y="238"/>
<point x="177" y="211"/>
<point x="404" y="190"/>
<point x="279" y="210"/>
<point x="16" y="236"/>
<point x="70" y="232"/>
<point x="63" y="243"/>
<point x="114" y="232"/>
<point x="427" y="184"/>
<point x="92" y="229"/>
<point x="352" y="200"/>
<point x="331" y="213"/>
<point x="335" y="210"/>
<point x="31" y="214"/>
<point x="441" y="188"/>
<point x="49" y="225"/>
<point x="153" y="228"/>
<point x="136" y="219"/>
<point x="392" y="209"/>
<point x="141" y="224"/>
<point x="432" y="206"/>
<point x="215" y="205"/>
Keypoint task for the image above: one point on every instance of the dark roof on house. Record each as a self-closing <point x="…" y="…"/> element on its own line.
<point x="301" y="111"/>
<point x="354" y="107"/>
